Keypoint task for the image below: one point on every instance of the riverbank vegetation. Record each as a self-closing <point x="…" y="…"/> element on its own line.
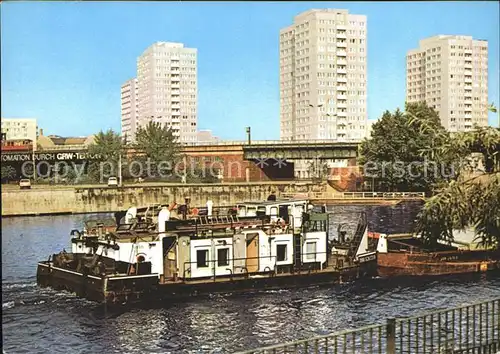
<point x="472" y="198"/>
<point x="460" y="171"/>
<point x="392" y="156"/>
<point x="154" y="156"/>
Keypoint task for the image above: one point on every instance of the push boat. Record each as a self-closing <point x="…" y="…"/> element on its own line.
<point x="408" y="255"/>
<point x="267" y="245"/>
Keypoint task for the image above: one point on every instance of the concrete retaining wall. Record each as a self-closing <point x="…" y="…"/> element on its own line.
<point x="104" y="199"/>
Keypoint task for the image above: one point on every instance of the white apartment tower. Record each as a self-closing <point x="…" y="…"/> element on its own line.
<point x="323" y="76"/>
<point x="129" y="108"/>
<point x="450" y="73"/>
<point x="166" y="89"/>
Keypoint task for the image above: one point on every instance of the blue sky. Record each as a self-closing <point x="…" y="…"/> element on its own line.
<point x="63" y="63"/>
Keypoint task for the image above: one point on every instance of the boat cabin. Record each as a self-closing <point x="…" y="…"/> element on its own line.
<point x="217" y="246"/>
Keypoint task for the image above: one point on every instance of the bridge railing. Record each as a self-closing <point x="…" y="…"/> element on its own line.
<point x="356" y="195"/>
<point x="466" y="329"/>
<point x="272" y="142"/>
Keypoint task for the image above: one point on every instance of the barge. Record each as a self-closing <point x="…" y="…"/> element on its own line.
<point x="267" y="245"/>
<point x="407" y="255"/>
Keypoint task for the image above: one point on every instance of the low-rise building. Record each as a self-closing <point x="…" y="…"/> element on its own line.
<point x="205" y="136"/>
<point x="56" y="142"/>
<point x="20" y="129"/>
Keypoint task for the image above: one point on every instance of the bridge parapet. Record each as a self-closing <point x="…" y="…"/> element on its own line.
<point x="274" y="142"/>
<point x="295" y="151"/>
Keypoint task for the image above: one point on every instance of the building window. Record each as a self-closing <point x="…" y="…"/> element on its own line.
<point x="202" y="258"/>
<point x="281" y="253"/>
<point x="310" y="250"/>
<point x="222" y="257"/>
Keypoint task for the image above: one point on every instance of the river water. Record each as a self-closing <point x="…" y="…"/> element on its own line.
<point x="45" y="321"/>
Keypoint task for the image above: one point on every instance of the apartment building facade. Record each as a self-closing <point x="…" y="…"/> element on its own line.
<point x="129" y="108"/>
<point x="323" y="76"/>
<point x="450" y="73"/>
<point x="166" y="90"/>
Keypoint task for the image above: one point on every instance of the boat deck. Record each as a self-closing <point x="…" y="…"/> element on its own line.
<point x="236" y="277"/>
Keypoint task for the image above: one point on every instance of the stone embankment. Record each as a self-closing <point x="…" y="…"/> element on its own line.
<point x="94" y="199"/>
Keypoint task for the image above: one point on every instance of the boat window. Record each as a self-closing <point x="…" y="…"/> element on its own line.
<point x="274" y="211"/>
<point x="222" y="257"/>
<point x="251" y="211"/>
<point x="202" y="258"/>
<point x="261" y="211"/>
<point x="310" y="250"/>
<point x="251" y="236"/>
<point x="280" y="253"/>
<point x="283" y="213"/>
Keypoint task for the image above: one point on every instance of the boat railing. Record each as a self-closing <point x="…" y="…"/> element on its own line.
<point x="307" y="266"/>
<point x="211" y="264"/>
<point x="212" y="223"/>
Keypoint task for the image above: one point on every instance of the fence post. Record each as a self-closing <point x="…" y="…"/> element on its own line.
<point x="391" y="335"/>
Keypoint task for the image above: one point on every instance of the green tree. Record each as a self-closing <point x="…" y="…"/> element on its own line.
<point x="70" y="174"/>
<point x="8" y="173"/>
<point x="108" y="146"/>
<point x="157" y="150"/>
<point x="393" y="155"/>
<point x="472" y="198"/>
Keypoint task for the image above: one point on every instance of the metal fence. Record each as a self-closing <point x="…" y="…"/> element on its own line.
<point x="467" y="329"/>
<point x="355" y="195"/>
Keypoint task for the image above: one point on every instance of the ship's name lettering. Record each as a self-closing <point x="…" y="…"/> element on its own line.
<point x="449" y="259"/>
<point x="367" y="258"/>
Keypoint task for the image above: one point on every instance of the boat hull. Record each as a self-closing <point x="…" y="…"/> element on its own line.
<point x="147" y="288"/>
<point x="88" y="287"/>
<point x="437" y="263"/>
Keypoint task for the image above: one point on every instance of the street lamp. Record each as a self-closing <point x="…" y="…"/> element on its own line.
<point x="492" y="108"/>
<point x="330" y="133"/>
<point x="318" y="111"/>
<point x="349" y="128"/>
<point x="249" y="137"/>
<point x="327" y="100"/>
<point x="318" y="106"/>
<point x="123" y="147"/>
<point x="33" y="156"/>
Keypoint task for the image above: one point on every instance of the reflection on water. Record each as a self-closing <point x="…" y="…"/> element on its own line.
<point x="41" y="320"/>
